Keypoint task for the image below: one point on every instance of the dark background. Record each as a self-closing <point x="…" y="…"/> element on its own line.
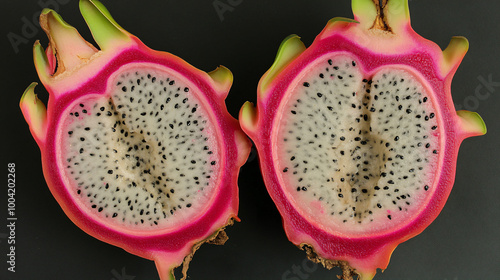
<point x="463" y="242"/>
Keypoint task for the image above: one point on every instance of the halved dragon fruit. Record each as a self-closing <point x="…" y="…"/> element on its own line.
<point x="137" y="145"/>
<point x="358" y="136"/>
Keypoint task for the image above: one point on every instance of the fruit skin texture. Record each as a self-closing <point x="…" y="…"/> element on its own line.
<point x="82" y="69"/>
<point x="378" y="37"/>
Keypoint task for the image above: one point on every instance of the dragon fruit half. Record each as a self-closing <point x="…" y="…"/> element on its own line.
<point x="358" y="136"/>
<point x="137" y="145"/>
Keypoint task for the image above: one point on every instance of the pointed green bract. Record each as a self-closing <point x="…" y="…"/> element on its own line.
<point x="34" y="112"/>
<point x="57" y="17"/>
<point x="397" y="14"/>
<point x="340" y="20"/>
<point x="289" y="49"/>
<point x="248" y="117"/>
<point x="106" y="32"/>
<point x="223" y="79"/>
<point x="365" y="12"/>
<point x="335" y="24"/>
<point x="454" y="53"/>
<point x="472" y="123"/>
<point x="41" y="62"/>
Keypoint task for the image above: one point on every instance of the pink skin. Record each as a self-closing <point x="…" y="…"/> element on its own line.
<point x="369" y="252"/>
<point x="168" y="247"/>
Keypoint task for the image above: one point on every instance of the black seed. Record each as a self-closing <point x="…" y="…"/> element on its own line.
<point x="434" y="127"/>
<point x="389" y="216"/>
<point x="306" y="84"/>
<point x="319" y="94"/>
<point x="426" y="187"/>
<point x="432" y="115"/>
<point x="294" y="112"/>
<point x="378" y="205"/>
<point x="396" y="138"/>
<point x="212" y="163"/>
<point x="110" y="171"/>
<point x="286" y="169"/>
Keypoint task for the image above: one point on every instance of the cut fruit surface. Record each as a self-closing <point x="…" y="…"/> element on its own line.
<point x="346" y="142"/>
<point x="151" y="131"/>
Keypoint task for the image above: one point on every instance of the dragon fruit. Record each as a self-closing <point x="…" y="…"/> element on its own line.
<point x="137" y="145"/>
<point x="358" y="136"/>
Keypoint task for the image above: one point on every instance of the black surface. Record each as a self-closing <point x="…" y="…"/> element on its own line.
<point x="462" y="243"/>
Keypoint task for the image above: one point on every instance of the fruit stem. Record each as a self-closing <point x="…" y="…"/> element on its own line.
<point x="381" y="19"/>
